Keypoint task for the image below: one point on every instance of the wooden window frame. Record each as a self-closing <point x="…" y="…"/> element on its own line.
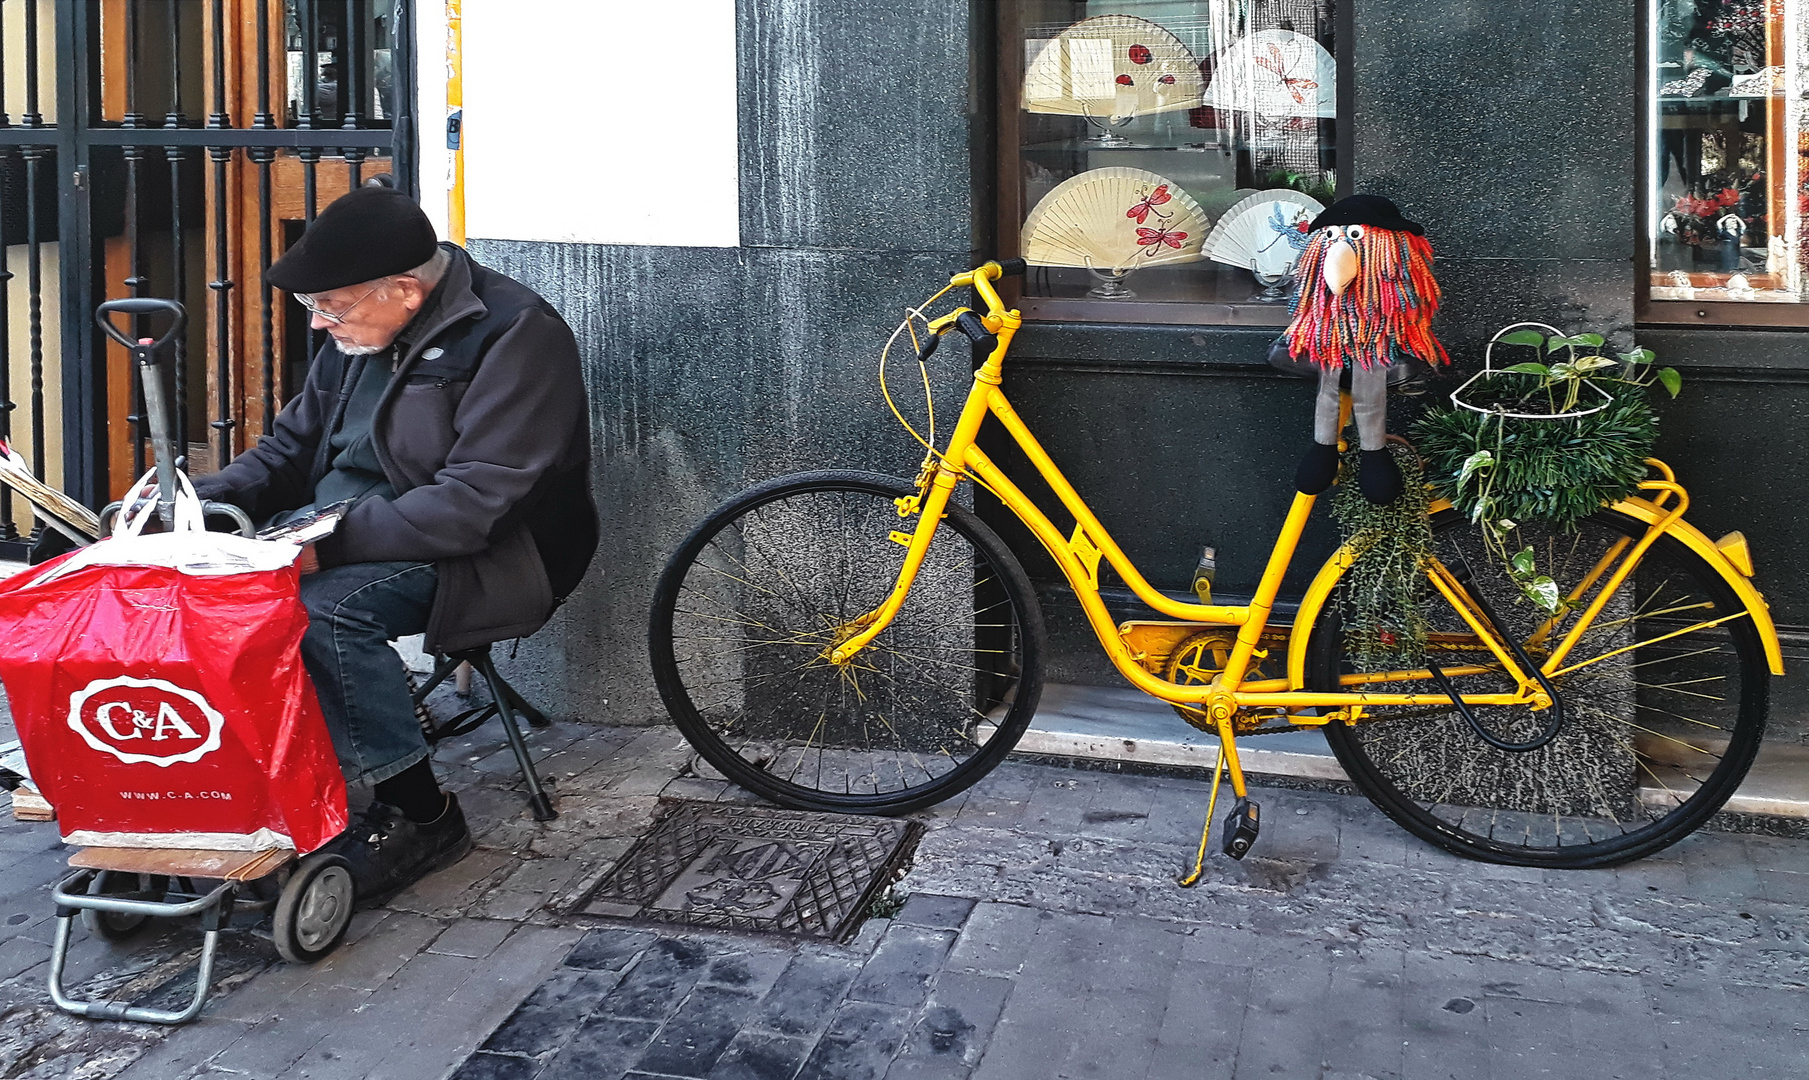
<point x="1008" y="28"/>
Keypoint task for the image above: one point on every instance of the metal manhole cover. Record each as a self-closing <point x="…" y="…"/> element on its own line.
<point x="753" y="868"/>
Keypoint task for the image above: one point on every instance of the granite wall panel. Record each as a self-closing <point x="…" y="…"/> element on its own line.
<point x="866" y="163"/>
<point x="709" y="370"/>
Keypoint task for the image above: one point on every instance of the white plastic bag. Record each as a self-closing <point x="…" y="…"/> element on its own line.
<point x="187" y="548"/>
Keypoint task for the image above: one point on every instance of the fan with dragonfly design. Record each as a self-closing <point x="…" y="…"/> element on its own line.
<point x="1112" y="221"/>
<point x="1265" y="234"/>
<point x="1275" y="73"/>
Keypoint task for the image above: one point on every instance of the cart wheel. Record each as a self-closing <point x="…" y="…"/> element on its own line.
<point x="314" y="909"/>
<point x="114" y="925"/>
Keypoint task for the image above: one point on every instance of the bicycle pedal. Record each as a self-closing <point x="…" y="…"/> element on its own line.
<point x="1241" y="828"/>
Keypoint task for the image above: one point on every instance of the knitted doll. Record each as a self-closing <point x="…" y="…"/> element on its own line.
<point x="1366" y="301"/>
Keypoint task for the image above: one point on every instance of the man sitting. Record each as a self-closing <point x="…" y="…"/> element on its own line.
<point x="448" y="408"/>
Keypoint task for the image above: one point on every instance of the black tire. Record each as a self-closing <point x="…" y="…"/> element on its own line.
<point x="1654" y="739"/>
<point x="114" y="925"/>
<point x="313" y="910"/>
<point x="752" y="600"/>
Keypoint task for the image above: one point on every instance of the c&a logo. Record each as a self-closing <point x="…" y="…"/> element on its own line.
<point x="145" y="720"/>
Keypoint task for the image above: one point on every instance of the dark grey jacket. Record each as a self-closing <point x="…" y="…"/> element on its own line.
<point x="487" y="445"/>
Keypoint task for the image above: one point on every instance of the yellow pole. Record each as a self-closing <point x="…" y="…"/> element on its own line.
<point x="455" y="119"/>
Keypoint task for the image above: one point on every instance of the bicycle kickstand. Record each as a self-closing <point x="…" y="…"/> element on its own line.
<point x="1241" y="826"/>
<point x="1189" y="880"/>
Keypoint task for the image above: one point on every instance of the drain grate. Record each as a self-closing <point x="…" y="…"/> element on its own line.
<point x="753" y="868"/>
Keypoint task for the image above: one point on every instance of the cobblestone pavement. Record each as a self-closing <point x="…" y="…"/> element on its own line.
<point x="1042" y="937"/>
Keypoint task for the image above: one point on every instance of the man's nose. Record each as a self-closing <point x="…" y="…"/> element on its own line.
<point x="317" y="321"/>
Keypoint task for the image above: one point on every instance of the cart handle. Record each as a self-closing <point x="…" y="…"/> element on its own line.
<point x="141" y="305"/>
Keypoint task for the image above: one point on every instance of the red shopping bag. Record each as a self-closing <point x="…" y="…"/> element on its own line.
<point x="157" y="686"/>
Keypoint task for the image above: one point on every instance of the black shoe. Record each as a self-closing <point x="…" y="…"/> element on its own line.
<point x="388" y="853"/>
<point x="1378" y="476"/>
<point x="1317" y="470"/>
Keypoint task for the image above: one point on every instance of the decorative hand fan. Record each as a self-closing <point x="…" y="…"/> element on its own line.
<point x="1112" y="221"/>
<point x="1275" y="73"/>
<point x="1265" y="234"/>
<point x="1110" y="68"/>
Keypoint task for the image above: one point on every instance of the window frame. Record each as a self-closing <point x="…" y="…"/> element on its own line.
<point x="1009" y="53"/>
<point x="1729" y="314"/>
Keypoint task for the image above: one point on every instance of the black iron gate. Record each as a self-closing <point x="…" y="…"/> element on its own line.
<point x="174" y="148"/>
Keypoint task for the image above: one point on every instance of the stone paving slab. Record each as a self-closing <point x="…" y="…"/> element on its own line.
<point x="1041" y="936"/>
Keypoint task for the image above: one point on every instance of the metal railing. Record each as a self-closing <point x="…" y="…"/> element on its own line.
<point x="172" y="148"/>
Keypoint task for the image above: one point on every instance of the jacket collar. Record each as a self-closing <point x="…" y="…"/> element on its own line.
<point x="456" y="301"/>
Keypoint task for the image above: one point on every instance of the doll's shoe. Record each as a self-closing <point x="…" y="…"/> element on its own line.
<point x="1317" y="470"/>
<point x="1378" y="477"/>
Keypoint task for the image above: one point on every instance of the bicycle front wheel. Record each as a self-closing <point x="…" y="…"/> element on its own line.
<point x="1664" y="701"/>
<point x="755" y="600"/>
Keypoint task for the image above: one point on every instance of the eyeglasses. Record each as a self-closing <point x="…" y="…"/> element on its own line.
<point x="332" y="317"/>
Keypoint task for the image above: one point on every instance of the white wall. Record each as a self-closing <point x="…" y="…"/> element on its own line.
<point x="588" y="121"/>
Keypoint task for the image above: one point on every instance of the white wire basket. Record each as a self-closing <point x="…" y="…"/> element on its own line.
<point x="1490" y="372"/>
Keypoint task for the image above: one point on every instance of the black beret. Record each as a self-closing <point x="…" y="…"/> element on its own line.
<point x="368" y="233"/>
<point x="1366" y="210"/>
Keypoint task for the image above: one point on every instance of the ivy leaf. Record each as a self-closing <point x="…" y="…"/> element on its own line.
<point x="1478" y="462"/>
<point x="1530" y="369"/>
<point x="1523" y="337"/>
<point x="1593" y="363"/>
<point x="1543" y="591"/>
<point x="1670" y="379"/>
<point x="1639" y="356"/>
<point x="1523" y="561"/>
<point x="1592" y="341"/>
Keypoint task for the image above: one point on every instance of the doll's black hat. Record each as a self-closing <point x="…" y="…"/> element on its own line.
<point x="365" y="234"/>
<point x="1366" y="210"/>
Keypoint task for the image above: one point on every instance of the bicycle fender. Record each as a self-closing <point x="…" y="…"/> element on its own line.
<point x="1697" y="541"/>
<point x="1316" y="595"/>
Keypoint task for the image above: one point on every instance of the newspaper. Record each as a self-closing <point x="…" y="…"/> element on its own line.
<point x="309" y="527"/>
<point x="67" y="516"/>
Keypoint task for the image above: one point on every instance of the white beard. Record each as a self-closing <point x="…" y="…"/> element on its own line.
<point x="360" y="350"/>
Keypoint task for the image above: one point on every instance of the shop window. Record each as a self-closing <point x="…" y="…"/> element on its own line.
<point x="1727" y="134"/>
<point x="1161" y="158"/>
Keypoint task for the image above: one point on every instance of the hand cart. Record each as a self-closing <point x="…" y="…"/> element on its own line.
<point x="117" y="890"/>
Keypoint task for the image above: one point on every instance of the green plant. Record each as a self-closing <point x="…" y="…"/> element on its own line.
<point x="1320" y="186"/>
<point x="1384" y="591"/>
<point x="1545" y="440"/>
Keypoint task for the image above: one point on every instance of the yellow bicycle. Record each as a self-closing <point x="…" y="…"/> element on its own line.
<point x="846" y="641"/>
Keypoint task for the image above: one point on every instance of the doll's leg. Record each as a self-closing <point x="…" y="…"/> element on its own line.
<point x="1377" y="473"/>
<point x="1320" y="466"/>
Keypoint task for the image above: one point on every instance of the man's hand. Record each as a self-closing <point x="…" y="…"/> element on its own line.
<point x="307" y="560"/>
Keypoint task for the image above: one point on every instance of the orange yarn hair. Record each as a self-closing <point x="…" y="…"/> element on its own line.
<point x="1385" y="312"/>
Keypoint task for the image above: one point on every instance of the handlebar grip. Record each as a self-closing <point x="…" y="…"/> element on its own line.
<point x="141" y="305"/>
<point x="971" y="325"/>
<point x="929" y="347"/>
<point x="1013" y="267"/>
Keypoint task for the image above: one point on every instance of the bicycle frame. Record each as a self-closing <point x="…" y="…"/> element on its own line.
<point x="1080" y="554"/>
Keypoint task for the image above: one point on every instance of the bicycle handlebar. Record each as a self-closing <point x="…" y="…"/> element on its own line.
<point x="982" y="277"/>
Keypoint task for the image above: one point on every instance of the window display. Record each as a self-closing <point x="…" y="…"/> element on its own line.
<point x="1727" y="136"/>
<point x="1169" y="152"/>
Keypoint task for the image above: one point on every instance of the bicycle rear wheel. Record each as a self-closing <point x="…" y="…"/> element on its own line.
<point x="755" y="599"/>
<point x="1664" y="699"/>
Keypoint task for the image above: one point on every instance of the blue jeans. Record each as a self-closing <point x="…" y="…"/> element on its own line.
<point x="354" y="612"/>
